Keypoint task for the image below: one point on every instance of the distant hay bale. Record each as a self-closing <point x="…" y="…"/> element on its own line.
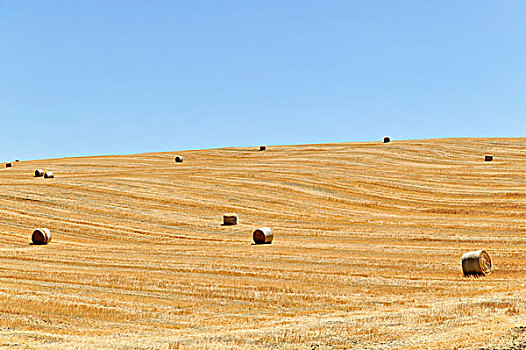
<point x="387" y="139"/>
<point x="263" y="235"/>
<point x="230" y="219"/>
<point x="178" y="159"/>
<point x="476" y="263"/>
<point x="39" y="173"/>
<point x="49" y="175"/>
<point x="17" y="160"/>
<point x="8" y="165"/>
<point x="262" y="148"/>
<point x="41" y="236"/>
<point x="488" y="158"/>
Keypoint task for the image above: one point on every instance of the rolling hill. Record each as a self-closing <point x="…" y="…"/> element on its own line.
<point x="366" y="254"/>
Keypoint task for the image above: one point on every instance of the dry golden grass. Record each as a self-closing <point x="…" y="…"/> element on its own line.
<point x="366" y="254"/>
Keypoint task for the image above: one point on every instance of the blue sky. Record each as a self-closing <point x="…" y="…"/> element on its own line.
<point x="118" y="77"/>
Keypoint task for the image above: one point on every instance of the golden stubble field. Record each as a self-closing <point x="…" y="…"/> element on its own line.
<point x="366" y="254"/>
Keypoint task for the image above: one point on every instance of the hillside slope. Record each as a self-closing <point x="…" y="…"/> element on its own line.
<point x="366" y="253"/>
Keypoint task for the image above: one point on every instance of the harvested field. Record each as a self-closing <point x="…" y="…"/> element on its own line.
<point x="366" y="254"/>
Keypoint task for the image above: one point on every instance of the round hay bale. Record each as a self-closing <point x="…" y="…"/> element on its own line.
<point x="49" y="175"/>
<point x="17" y="160"/>
<point x="262" y="148"/>
<point x="229" y="219"/>
<point x="41" y="236"/>
<point x="488" y="158"/>
<point x="477" y="262"/>
<point x="39" y="173"/>
<point x="263" y="235"/>
<point x="8" y="165"/>
<point x="387" y="139"/>
<point x="178" y="159"/>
